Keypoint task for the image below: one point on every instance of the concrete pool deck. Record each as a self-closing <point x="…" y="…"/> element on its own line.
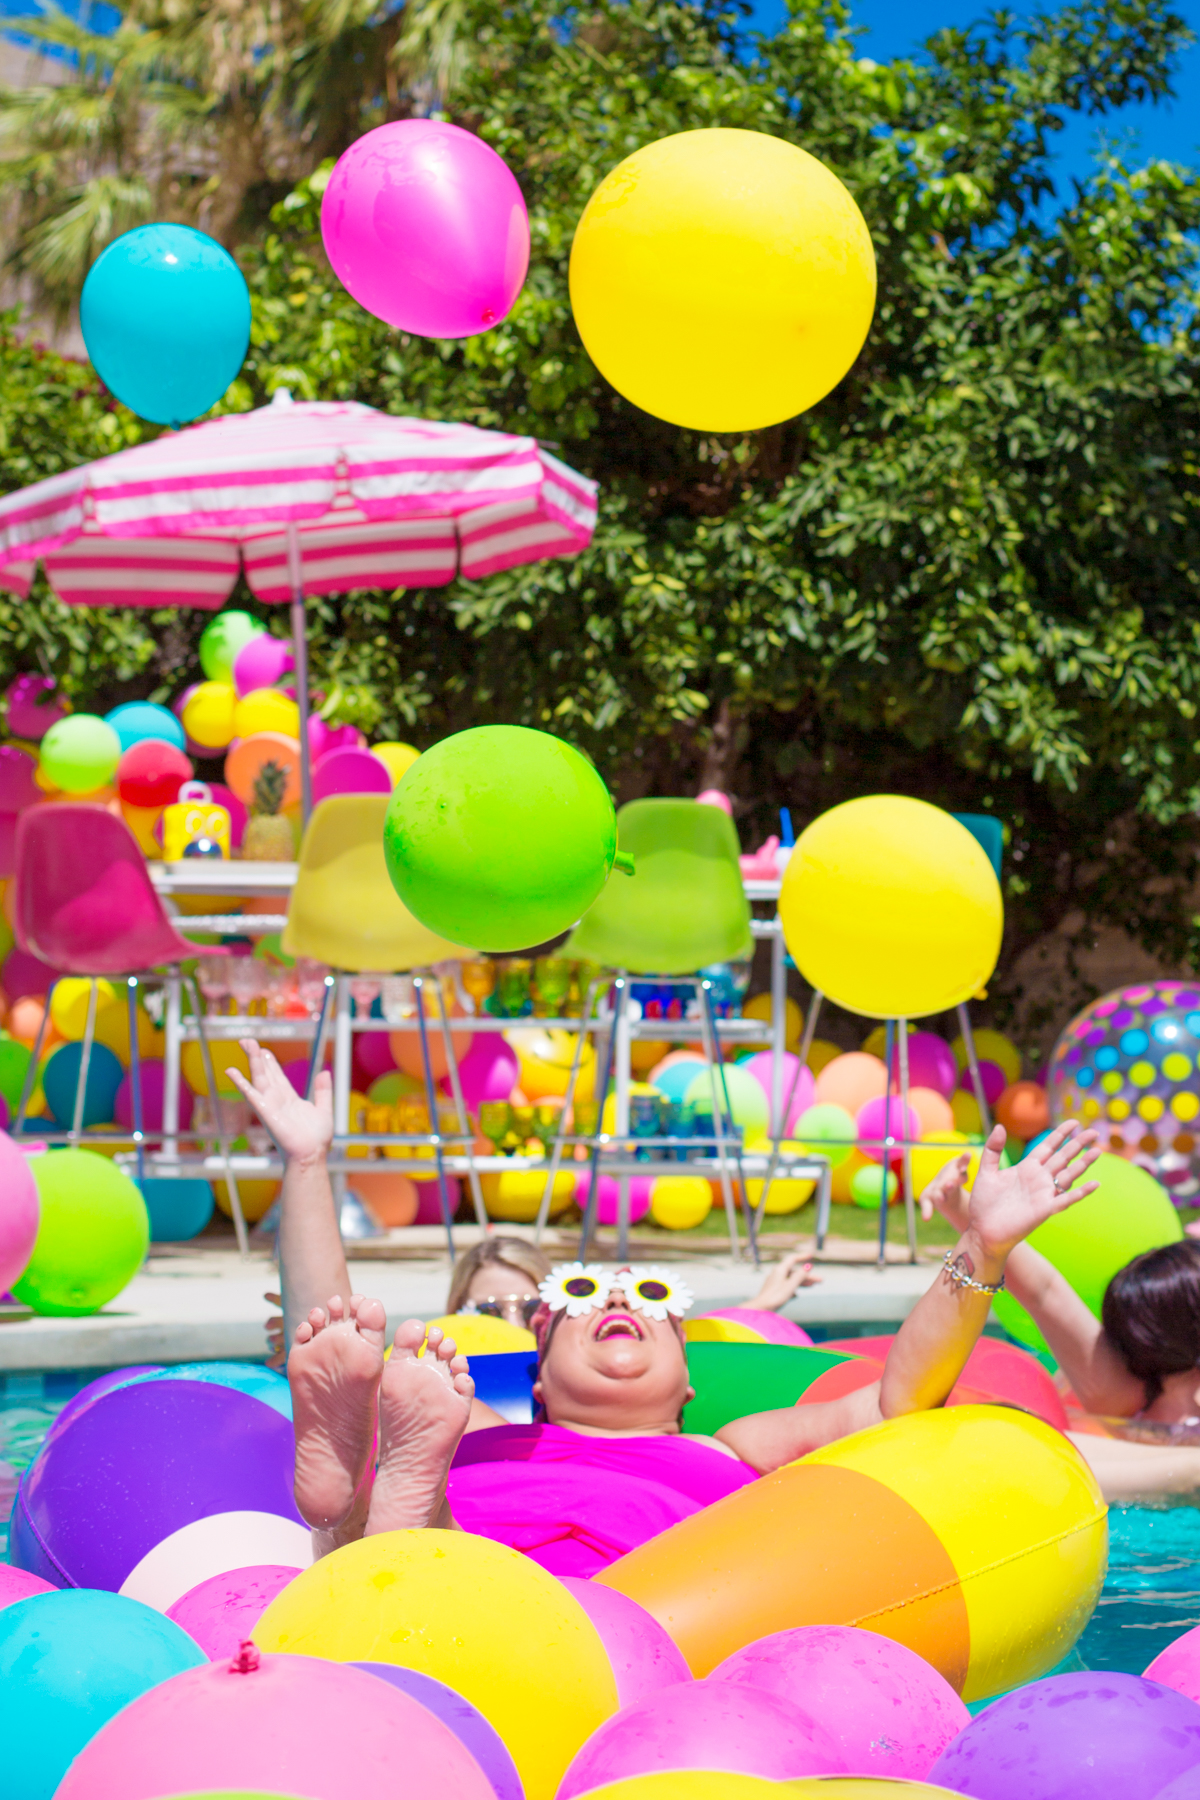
<point x="197" y="1302"/>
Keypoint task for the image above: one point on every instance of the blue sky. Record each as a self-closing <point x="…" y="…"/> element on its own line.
<point x="1171" y="129"/>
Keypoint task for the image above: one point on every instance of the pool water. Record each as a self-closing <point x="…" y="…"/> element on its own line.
<point x="1151" y="1593"/>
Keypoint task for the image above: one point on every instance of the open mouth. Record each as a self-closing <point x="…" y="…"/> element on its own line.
<point x="617" y="1324"/>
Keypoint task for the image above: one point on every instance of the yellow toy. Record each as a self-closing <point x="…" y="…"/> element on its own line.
<point x="891" y="908"/>
<point x="722" y="280"/>
<point x="195" y="820"/>
<point x="443" y="1602"/>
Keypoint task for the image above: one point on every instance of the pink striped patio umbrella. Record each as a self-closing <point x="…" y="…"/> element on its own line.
<point x="309" y="497"/>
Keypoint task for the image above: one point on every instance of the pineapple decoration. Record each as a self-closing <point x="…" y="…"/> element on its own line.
<point x="268" y="835"/>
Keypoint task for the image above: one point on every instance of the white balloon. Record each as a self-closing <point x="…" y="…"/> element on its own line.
<point x="214" y="1546"/>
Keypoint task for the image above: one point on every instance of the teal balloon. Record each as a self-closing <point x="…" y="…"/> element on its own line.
<point x="177" y="1209"/>
<point x="141" y="719"/>
<point x="61" y="1077"/>
<point x="165" y="315"/>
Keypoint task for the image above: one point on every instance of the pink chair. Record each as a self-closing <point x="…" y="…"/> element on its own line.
<point x="85" y="905"/>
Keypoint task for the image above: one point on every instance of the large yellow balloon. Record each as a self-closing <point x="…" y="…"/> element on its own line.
<point x="722" y="280"/>
<point x="477" y="1615"/>
<point x="891" y="908"/>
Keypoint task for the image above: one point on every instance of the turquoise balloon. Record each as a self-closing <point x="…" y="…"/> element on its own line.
<point x="165" y="315"/>
<point x="141" y="719"/>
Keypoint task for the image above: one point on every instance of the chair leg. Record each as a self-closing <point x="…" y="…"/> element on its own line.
<point x="712" y="1050"/>
<point x="622" y="1047"/>
<point x="460" y="1107"/>
<point x="568" y="1103"/>
<point x="810" y="1031"/>
<point x="235" y="1199"/>
<point x="173" y="1053"/>
<point x="85" y="1063"/>
<point x="431" y="1103"/>
<point x="135" y="1079"/>
<point x="30" y="1081"/>
<point x="343" y="1056"/>
<point x="318" y="1049"/>
<point x="593" y="1200"/>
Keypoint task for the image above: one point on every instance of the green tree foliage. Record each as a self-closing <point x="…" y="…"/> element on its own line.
<point x="969" y="574"/>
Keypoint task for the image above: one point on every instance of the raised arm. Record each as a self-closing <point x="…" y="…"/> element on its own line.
<point x="312" y="1262"/>
<point x="939" y="1334"/>
<point x="1098" y="1377"/>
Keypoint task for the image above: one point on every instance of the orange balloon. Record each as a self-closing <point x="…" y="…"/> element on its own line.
<point x="391" y="1200"/>
<point x="246" y="758"/>
<point x="933" y="1109"/>
<point x="1024" y="1110"/>
<point x="24" y="1019"/>
<point x="851" y="1080"/>
<point x="405" y="1047"/>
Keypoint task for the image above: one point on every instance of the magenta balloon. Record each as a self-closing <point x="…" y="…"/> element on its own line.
<point x="760" y="1066"/>
<point x="1178" y="1666"/>
<point x="608" y="1197"/>
<point x="1091" y="1736"/>
<point x="931" y="1063"/>
<point x="705" y="1725"/>
<point x="24" y="976"/>
<point x="8" y="845"/>
<point x="373" y="1054"/>
<point x="770" y="1327"/>
<point x="888" y="1709"/>
<point x="429" y="1205"/>
<point x="489" y="1070"/>
<point x="221" y="1613"/>
<point x="261" y="663"/>
<point x="238" y="815"/>
<point x="154" y="1081"/>
<point x="426" y="227"/>
<point x="19" y="1584"/>
<point x="31" y="709"/>
<point x="274" y="1724"/>
<point x="17" y="786"/>
<point x="348" y="772"/>
<point x="993" y="1078"/>
<point x="643" y="1655"/>
<point x="885" y="1116"/>
<point x="18" y="1212"/>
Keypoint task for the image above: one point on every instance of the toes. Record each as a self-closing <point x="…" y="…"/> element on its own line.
<point x="337" y="1310"/>
<point x="464" y="1385"/>
<point x="445" y="1351"/>
<point x="459" y="1365"/>
<point x="371" y="1316"/>
<point x="409" y="1338"/>
<point x="317" y="1320"/>
<point x="304" y="1332"/>
<point x="436" y="1334"/>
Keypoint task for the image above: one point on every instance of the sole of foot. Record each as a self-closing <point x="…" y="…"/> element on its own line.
<point x="334" y="1370"/>
<point x="424" y="1405"/>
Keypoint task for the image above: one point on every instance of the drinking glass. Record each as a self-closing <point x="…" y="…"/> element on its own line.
<point x="585" y="973"/>
<point x="397" y="998"/>
<point x="522" y="1125"/>
<point x="552" y="982"/>
<point x="586" y="1118"/>
<point x="547" y="1115"/>
<point x="310" y="984"/>
<point x="495" y="1122"/>
<point x="364" y="991"/>
<point x="479" y="980"/>
<point x="246" y="983"/>
<point x="512" y="986"/>
<point x="212" y="973"/>
<point x="645" y="1120"/>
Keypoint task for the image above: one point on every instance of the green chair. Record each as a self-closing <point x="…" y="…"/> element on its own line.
<point x="684" y="908"/>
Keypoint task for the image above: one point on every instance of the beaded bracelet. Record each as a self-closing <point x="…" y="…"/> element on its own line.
<point x="963" y="1280"/>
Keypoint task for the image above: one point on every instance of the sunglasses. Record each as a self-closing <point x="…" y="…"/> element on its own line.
<point x="505" y="1306"/>
<point x="576" y="1289"/>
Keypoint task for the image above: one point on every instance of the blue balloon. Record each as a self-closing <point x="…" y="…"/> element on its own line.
<point x="141" y="719"/>
<point x="69" y="1661"/>
<point x="178" y="1209"/>
<point x="61" y="1077"/>
<point x="165" y="315"/>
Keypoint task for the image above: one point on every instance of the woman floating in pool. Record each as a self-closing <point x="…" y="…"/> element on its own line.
<point x="1136" y="1369"/>
<point x="611" y="1466"/>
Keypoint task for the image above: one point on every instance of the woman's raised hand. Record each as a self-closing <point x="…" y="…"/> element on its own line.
<point x="303" y="1129"/>
<point x="1007" y="1204"/>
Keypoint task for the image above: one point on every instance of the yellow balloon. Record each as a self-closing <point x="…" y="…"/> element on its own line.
<point x="397" y="759"/>
<point x="545" y="1059"/>
<point x="225" y="1056"/>
<point x="759" y="1007"/>
<point x="266" y="709"/>
<point x="722" y="280"/>
<point x="967" y="1116"/>
<point x="445" y="1603"/>
<point x="112" y="1028"/>
<point x="842" y="1177"/>
<point x="208" y="716"/>
<point x="69" y="1005"/>
<point x="478" y="1334"/>
<point x="680" y="1202"/>
<point x="937" y="1149"/>
<point x="891" y="908"/>
<point x="820" y="1052"/>
<point x="255" y="1198"/>
<point x="991" y="1046"/>
<point x="785" y="1196"/>
<point x="515" y="1194"/>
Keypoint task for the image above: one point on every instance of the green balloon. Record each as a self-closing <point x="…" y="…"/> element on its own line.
<point x="500" y="838"/>
<point x="866" y="1183"/>
<point x="92" y="1234"/>
<point x="1130" y="1212"/>
<point x="80" y="753"/>
<point x="14" y="1060"/>
<point x="221" y="640"/>
<point x="828" y="1130"/>
<point x="747" y="1100"/>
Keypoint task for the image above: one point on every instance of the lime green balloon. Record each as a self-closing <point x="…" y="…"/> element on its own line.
<point x="500" y="838"/>
<point x="14" y="1060"/>
<point x="828" y="1131"/>
<point x="866" y="1183"/>
<point x="92" y="1234"/>
<point x="1130" y="1212"/>
<point x="80" y="753"/>
<point x="747" y="1100"/>
<point x="221" y="640"/>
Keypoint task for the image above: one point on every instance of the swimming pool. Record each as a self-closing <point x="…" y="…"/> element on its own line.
<point x="1151" y="1593"/>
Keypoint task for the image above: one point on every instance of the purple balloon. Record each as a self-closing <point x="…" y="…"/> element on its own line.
<point x="931" y="1063"/>
<point x="154" y="1080"/>
<point x="466" y="1722"/>
<point x="32" y="709"/>
<point x="348" y="771"/>
<point x="760" y="1066"/>
<point x="1091" y="1736"/>
<point x="140" y="1462"/>
<point x="95" y="1390"/>
<point x="489" y="1070"/>
<point x="991" y="1075"/>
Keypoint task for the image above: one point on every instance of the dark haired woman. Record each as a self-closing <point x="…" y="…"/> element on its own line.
<point x="1136" y="1369"/>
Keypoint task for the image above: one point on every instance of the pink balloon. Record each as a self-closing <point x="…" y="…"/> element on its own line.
<point x="18" y="1584"/>
<point x="261" y="663"/>
<point x="373" y="1054"/>
<point x="18" y="1212"/>
<point x="238" y="816"/>
<point x="931" y="1063"/>
<point x="770" y="1326"/>
<point x="889" y="1711"/>
<point x="222" y="1612"/>
<point x="154" y="1078"/>
<point x="643" y="1655"/>
<point x="24" y="976"/>
<point x="489" y="1070"/>
<point x="276" y="1724"/>
<point x="991" y="1075"/>
<point x="297" y="1073"/>
<point x="760" y="1067"/>
<point x="18" y="789"/>
<point x="1178" y="1666"/>
<point x="714" y="797"/>
<point x="8" y="845"/>
<point x="886" y="1116"/>
<point x="700" y="1725"/>
<point x="426" y="227"/>
<point x="348" y="771"/>
<point x="31" y="710"/>
<point x="608" y="1197"/>
<point x="429" y="1205"/>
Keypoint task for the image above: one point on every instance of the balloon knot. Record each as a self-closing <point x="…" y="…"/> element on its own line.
<point x="247" y="1659"/>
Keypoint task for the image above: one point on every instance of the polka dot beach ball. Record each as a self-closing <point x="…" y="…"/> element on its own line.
<point x="1129" y="1066"/>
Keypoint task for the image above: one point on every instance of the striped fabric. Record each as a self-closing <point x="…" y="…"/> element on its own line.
<point x="374" y="501"/>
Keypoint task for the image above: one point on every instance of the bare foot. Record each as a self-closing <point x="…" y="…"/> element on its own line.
<point x="333" y="1372"/>
<point x="424" y="1405"/>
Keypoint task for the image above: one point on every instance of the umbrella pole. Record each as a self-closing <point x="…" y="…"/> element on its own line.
<point x="300" y="650"/>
